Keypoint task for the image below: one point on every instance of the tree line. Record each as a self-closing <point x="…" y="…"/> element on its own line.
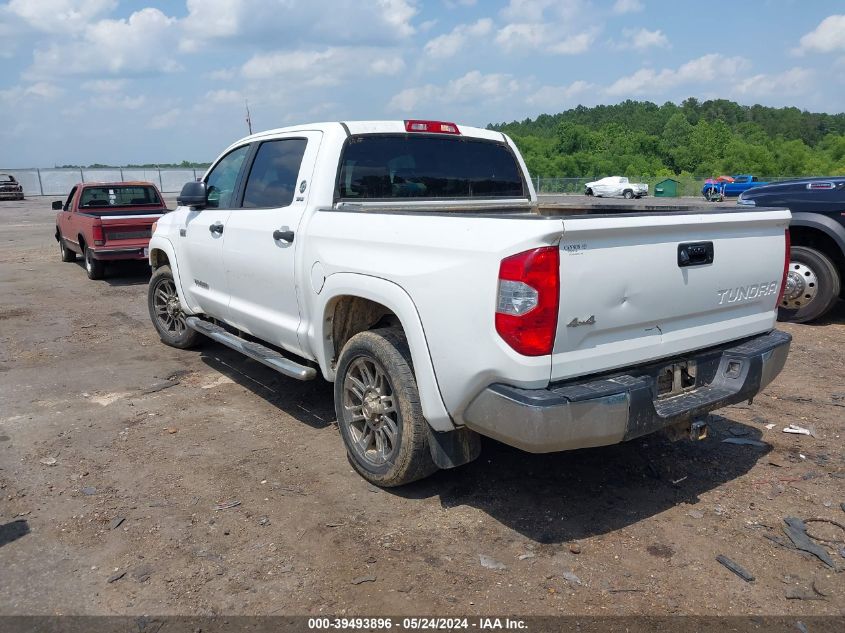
<point x="709" y="138"/>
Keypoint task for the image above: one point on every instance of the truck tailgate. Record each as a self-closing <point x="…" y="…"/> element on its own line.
<point x="136" y="226"/>
<point x="629" y="295"/>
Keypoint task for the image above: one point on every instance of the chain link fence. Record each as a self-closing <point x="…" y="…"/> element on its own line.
<point x="59" y="181"/>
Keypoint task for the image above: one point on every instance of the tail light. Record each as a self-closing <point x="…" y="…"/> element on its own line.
<point x="527" y="301"/>
<point x="786" y="257"/>
<point x="97" y="234"/>
<point x="432" y="127"/>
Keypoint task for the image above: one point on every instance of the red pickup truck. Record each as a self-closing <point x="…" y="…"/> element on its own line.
<point x="107" y="222"/>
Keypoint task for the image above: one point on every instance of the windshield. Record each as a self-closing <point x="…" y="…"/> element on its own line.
<point x="7" y="178"/>
<point x="119" y="196"/>
<point x="408" y="166"/>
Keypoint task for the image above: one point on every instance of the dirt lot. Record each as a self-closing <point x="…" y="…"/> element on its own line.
<point x="100" y="422"/>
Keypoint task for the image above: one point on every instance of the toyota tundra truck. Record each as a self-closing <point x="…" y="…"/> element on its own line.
<point x="107" y="222"/>
<point x="409" y="263"/>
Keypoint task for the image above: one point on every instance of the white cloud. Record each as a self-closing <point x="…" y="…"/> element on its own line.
<point x="471" y="87"/>
<point x="642" y="39"/>
<point x="141" y="44"/>
<point x="166" y="119"/>
<point x="547" y="26"/>
<point x="449" y="44"/>
<point x="827" y="37"/>
<point x="60" y="16"/>
<point x="104" y="85"/>
<point x="223" y="96"/>
<point x="387" y="66"/>
<point x="265" y="24"/>
<point x="398" y="15"/>
<point x="545" y="38"/>
<point x="327" y="67"/>
<point x="621" y="7"/>
<point x="39" y="90"/>
<point x="119" y="102"/>
<point x="702" y="70"/>
<point x="793" y="82"/>
<point x="559" y="96"/>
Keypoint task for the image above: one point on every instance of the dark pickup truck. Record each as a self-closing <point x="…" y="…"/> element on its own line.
<point x="107" y="222"/>
<point x="817" y="230"/>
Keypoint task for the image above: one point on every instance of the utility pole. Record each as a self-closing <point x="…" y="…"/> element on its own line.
<point x="248" y="118"/>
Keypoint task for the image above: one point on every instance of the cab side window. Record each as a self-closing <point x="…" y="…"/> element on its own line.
<point x="272" y="178"/>
<point x="221" y="181"/>
<point x="69" y="199"/>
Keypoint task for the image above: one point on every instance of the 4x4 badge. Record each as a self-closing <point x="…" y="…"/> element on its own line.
<point x="576" y="323"/>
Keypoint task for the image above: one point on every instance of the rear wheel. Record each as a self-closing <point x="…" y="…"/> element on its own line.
<point x="166" y="311"/>
<point x="67" y="254"/>
<point x="378" y="409"/>
<point x="713" y="195"/>
<point x="94" y="267"/>
<point x="812" y="286"/>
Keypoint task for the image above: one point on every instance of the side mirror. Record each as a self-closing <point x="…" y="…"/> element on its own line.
<point x="57" y="205"/>
<point x="194" y="195"/>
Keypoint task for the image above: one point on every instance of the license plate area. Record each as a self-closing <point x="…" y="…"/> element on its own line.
<point x="676" y="378"/>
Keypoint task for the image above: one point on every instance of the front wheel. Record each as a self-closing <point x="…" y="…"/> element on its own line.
<point x="166" y="311"/>
<point x="588" y="192"/>
<point x="627" y="194"/>
<point x="812" y="286"/>
<point x="378" y="409"/>
<point x="94" y="267"/>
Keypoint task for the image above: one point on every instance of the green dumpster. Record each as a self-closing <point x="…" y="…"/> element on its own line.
<point x="666" y="188"/>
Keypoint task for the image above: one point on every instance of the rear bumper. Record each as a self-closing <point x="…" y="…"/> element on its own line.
<point x="619" y="407"/>
<point x="123" y="252"/>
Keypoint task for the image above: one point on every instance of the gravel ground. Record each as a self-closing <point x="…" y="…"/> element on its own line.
<point x="136" y="478"/>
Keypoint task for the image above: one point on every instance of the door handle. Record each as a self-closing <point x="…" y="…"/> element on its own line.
<point x="284" y="236"/>
<point x="217" y="227"/>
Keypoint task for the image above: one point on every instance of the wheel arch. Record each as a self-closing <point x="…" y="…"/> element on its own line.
<point x="821" y="233"/>
<point x="362" y="302"/>
<point x="162" y="254"/>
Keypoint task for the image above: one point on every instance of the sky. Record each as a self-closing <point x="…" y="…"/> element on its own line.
<point x="153" y="81"/>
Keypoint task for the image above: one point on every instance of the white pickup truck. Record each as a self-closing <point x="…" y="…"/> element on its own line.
<point x="615" y="186"/>
<point x="410" y="264"/>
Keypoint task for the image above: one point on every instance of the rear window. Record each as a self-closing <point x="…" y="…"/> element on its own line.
<point x="408" y="166"/>
<point x="122" y="196"/>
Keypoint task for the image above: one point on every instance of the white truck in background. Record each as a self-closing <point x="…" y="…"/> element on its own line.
<point x="409" y="263"/>
<point x="616" y="187"/>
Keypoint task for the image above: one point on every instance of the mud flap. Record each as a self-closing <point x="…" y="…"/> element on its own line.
<point x="454" y="448"/>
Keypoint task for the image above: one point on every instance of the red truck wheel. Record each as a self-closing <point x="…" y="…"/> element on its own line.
<point x="94" y="267"/>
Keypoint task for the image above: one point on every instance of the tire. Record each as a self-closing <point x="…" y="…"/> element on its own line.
<point x="588" y="192"/>
<point x="166" y="312"/>
<point x="378" y="409"/>
<point x="67" y="254"/>
<point x="813" y="286"/>
<point x="713" y="195"/>
<point x="94" y="267"/>
<point x="627" y="194"/>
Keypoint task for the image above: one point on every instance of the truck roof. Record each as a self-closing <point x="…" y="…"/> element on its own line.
<point x="370" y="127"/>
<point x="122" y="183"/>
